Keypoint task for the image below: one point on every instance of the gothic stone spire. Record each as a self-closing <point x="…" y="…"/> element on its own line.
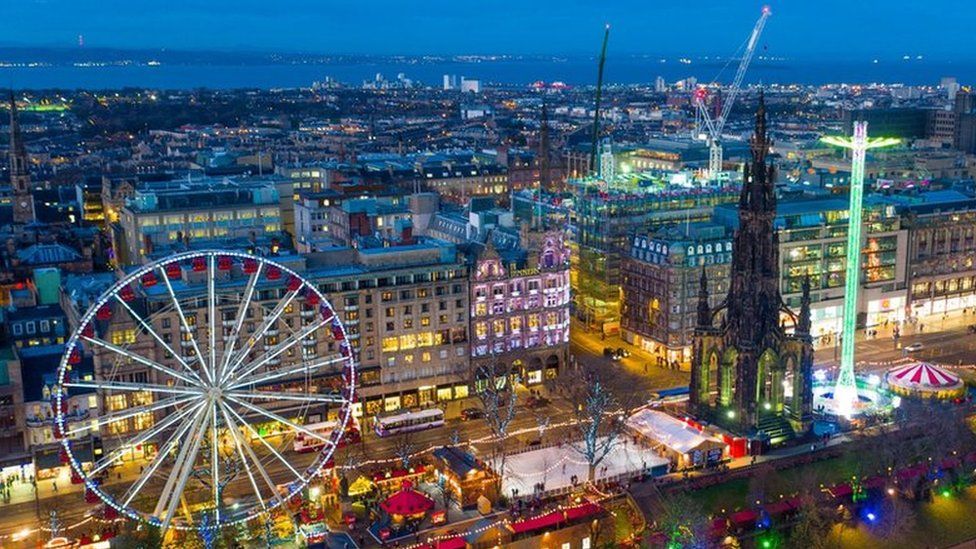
<point x="704" y="311"/>
<point x="19" y="174"/>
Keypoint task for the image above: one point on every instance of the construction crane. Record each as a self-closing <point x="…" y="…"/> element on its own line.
<point x="599" y="94"/>
<point x="714" y="127"/>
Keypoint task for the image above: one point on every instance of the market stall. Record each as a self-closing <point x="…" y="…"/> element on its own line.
<point x="924" y="380"/>
<point x="685" y="446"/>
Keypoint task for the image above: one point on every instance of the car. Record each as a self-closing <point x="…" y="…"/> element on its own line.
<point x="471" y="413"/>
<point x="611" y="353"/>
<point x="914" y="347"/>
<point x="536" y="401"/>
<point x="623" y="353"/>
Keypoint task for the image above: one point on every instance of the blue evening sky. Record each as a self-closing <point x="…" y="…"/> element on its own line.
<point x="798" y="28"/>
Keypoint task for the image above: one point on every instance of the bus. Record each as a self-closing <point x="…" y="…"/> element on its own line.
<point x="305" y="443"/>
<point x="409" y="421"/>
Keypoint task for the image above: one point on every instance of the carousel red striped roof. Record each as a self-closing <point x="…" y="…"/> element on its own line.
<point x="922" y="375"/>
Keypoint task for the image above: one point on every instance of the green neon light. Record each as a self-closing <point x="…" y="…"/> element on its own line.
<point x="845" y="393"/>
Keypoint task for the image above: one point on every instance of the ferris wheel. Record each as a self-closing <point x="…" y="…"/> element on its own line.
<point x="211" y="369"/>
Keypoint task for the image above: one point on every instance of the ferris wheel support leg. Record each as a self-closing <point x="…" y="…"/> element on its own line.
<point x="141" y="439"/>
<point x="267" y="445"/>
<point x="158" y="460"/>
<point x="240" y="446"/>
<point x="176" y="483"/>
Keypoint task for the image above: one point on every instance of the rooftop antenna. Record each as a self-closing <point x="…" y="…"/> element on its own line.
<point x="599" y="93"/>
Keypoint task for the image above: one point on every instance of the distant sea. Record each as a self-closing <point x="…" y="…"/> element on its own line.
<point x="574" y="71"/>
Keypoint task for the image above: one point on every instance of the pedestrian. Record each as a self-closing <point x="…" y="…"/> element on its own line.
<point x="54" y="485"/>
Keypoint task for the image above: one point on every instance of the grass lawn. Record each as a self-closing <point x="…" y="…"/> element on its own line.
<point x="943" y="522"/>
<point x="732" y="495"/>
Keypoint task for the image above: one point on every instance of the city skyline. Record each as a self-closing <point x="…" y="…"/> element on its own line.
<point x="866" y="29"/>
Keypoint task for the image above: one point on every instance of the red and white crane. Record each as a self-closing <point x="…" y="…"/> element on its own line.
<point x="713" y="127"/>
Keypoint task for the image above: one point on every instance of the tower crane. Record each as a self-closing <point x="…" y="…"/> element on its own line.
<point x="599" y="95"/>
<point x="714" y="127"/>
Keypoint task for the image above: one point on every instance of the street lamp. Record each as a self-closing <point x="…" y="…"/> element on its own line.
<point x="845" y="393"/>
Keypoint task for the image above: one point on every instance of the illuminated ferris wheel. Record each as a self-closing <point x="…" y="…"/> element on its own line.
<point x="214" y="373"/>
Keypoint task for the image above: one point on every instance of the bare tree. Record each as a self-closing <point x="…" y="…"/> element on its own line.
<point x="598" y="419"/>
<point x="446" y="495"/>
<point x="683" y="521"/>
<point x="404" y="450"/>
<point x="895" y="520"/>
<point x="496" y="392"/>
<point x="812" y="526"/>
<point x="764" y="484"/>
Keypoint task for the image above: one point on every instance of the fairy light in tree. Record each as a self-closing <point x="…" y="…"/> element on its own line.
<point x="845" y="392"/>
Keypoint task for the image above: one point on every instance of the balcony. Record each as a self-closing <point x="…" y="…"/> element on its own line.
<point x="192" y="328"/>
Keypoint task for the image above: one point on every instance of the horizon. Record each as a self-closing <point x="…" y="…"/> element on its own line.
<point x="870" y="29"/>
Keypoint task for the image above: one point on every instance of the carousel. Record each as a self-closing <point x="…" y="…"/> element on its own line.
<point x="407" y="505"/>
<point x="924" y="380"/>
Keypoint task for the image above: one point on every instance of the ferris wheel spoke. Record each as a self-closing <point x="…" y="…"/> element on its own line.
<point x="267" y="445"/>
<point x="183" y="322"/>
<point x="136" y="387"/>
<point x="271" y="415"/>
<point x="148" y="328"/>
<point x="142" y="360"/>
<point x="182" y="468"/>
<point x="215" y="458"/>
<point x="281" y="348"/>
<point x="241" y="315"/>
<point x="212" y="312"/>
<point x="134" y="411"/>
<point x="302" y="368"/>
<point x="272" y="395"/>
<point x="262" y="329"/>
<point x="161" y="452"/>
<point x="241" y="447"/>
<point x="142" y="438"/>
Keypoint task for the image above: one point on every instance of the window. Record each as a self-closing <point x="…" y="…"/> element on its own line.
<point x="390" y="311"/>
<point x="18" y="329"/>
<point x="121" y="337"/>
<point x="31" y="328"/>
<point x="45" y="326"/>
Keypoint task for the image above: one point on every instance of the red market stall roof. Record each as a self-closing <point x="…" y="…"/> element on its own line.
<point x="747" y="517"/>
<point x="874" y="482"/>
<point x="912" y="472"/>
<point x="783" y="506"/>
<point x="554" y="518"/>
<point x="407" y="501"/>
<point x="840" y="490"/>
<point x="452" y="543"/>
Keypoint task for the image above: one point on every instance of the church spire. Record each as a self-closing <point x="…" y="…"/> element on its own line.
<point x="19" y="174"/>
<point x="704" y="310"/>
